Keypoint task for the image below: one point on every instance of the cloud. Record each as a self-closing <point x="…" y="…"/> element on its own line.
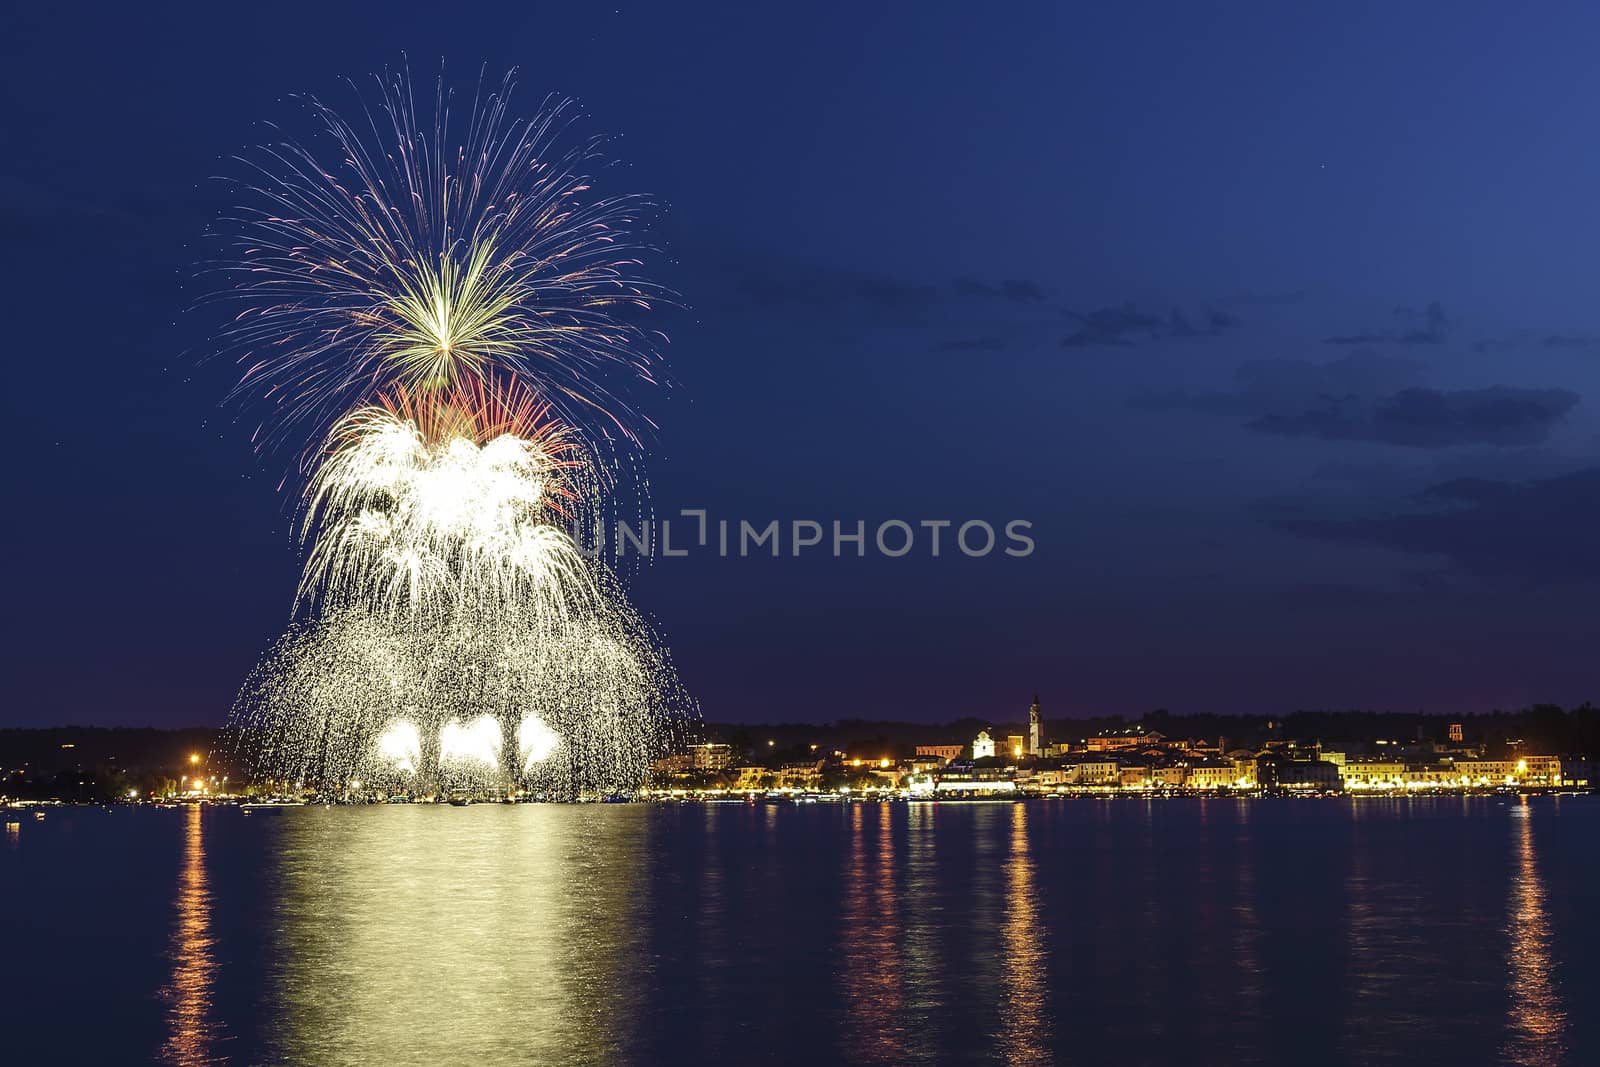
<point x="1429" y="326"/>
<point x="1125" y="324"/>
<point x="758" y="280"/>
<point x="1431" y="418"/>
<point x="1577" y="341"/>
<point x="1540" y="531"/>
<point x="1019" y="290"/>
<point x="1271" y="298"/>
<point x="973" y="344"/>
<point x="894" y="295"/>
<point x="1369" y="397"/>
<point x="1279" y="386"/>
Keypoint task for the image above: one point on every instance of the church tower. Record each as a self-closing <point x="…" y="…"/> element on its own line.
<point x="1035" y="729"/>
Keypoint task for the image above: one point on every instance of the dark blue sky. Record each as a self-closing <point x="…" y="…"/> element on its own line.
<point x="1295" y="375"/>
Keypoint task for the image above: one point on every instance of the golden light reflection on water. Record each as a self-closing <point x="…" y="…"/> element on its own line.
<point x="410" y="935"/>
<point x="925" y="942"/>
<point x="1247" y="928"/>
<point x="874" y="974"/>
<point x="1537" y="1020"/>
<point x="192" y="1032"/>
<point x="1025" y="1036"/>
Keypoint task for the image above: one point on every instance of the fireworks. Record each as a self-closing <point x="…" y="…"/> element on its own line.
<point x="446" y="315"/>
<point x="446" y="509"/>
<point x="407" y="705"/>
<point x="402" y="257"/>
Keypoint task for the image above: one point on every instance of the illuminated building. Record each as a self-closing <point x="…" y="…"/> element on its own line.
<point x="945" y="753"/>
<point x="1016" y="746"/>
<point x="1035" y="728"/>
<point x="1171" y="776"/>
<point x="1244" y="769"/>
<point x="751" y="778"/>
<point x="1455" y="732"/>
<point x="1131" y="738"/>
<point x="1374" y="773"/>
<point x="982" y="745"/>
<point x="1298" y="775"/>
<point x="710" y="756"/>
<point x="1521" y="770"/>
<point x="801" y="775"/>
<point x="1211" y="774"/>
<point x="1100" y="771"/>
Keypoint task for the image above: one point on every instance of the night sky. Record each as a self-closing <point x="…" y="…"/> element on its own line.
<point x="1279" y="325"/>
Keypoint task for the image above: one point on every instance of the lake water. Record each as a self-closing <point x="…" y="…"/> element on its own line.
<point x="1458" y="931"/>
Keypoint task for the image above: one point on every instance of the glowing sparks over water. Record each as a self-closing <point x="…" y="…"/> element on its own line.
<point x="400" y="747"/>
<point x="475" y="744"/>
<point x="576" y="711"/>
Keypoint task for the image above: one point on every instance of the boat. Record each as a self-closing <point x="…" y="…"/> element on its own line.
<point x="276" y="803"/>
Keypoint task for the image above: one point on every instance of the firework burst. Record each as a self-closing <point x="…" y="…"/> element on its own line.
<point x="447" y="508"/>
<point x="428" y="252"/>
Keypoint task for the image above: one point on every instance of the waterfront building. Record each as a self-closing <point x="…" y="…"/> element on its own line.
<point x="751" y="778"/>
<point x="1042" y="779"/>
<point x="1211" y="774"/>
<point x="1374" y="772"/>
<point x="1433" y="776"/>
<point x="982" y="745"/>
<point x="944" y="753"/>
<point x="1244" y="768"/>
<point x="1578" y="772"/>
<point x="710" y="756"/>
<point x="1298" y="775"/>
<point x="1136" y="774"/>
<point x="673" y="765"/>
<point x="1519" y="770"/>
<point x="802" y="774"/>
<point x="1096" y="770"/>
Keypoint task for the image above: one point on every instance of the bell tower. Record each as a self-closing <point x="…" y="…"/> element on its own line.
<point x="1035" y="729"/>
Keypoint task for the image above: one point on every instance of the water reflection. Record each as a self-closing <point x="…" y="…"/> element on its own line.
<point x="925" y="943"/>
<point x="192" y="1031"/>
<point x="1537" y="1023"/>
<point x="874" y="974"/>
<point x="1247" y="931"/>
<point x="1024" y="1028"/>
<point x="495" y="934"/>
